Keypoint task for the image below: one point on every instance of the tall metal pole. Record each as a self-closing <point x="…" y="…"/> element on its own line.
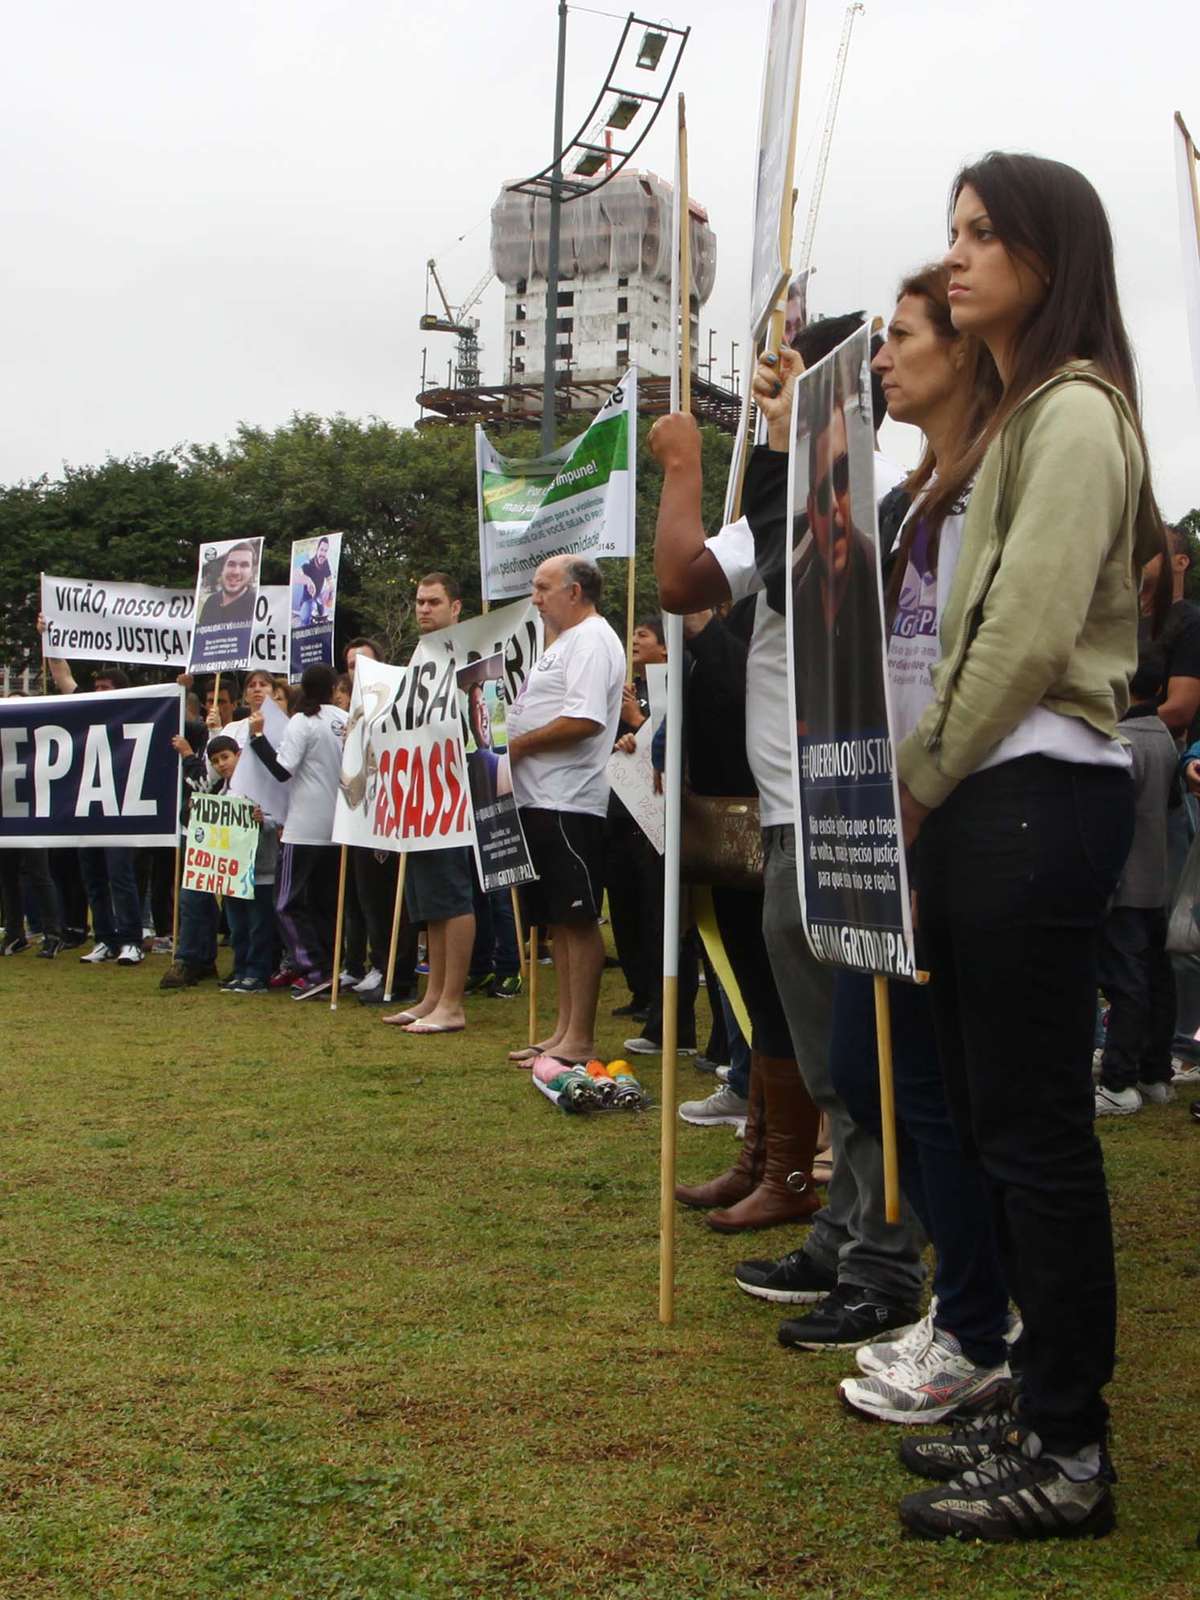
<point x="551" y="354"/>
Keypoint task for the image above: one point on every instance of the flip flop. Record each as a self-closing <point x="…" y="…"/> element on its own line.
<point x="421" y="1026"/>
<point x="522" y="1058"/>
<point x="401" y="1019"/>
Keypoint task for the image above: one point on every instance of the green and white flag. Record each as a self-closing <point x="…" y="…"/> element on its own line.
<point x="579" y="500"/>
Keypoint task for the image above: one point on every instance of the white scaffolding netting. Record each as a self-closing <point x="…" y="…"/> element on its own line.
<point x="623" y="228"/>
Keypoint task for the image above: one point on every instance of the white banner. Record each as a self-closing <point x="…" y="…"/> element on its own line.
<point x="776" y="159"/>
<point x="1189" y="234"/>
<point x="250" y="776"/>
<point x="137" y="625"/>
<point x="579" y="500"/>
<point x="632" y="780"/>
<point x="389" y="704"/>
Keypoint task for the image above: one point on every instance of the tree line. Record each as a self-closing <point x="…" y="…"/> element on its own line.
<point x="405" y="498"/>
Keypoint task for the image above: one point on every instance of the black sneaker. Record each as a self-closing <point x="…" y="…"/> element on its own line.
<point x="73" y="938"/>
<point x="479" y="983"/>
<point x="230" y="983"/>
<point x="635" y="1009"/>
<point x="974" y="1440"/>
<point x="15" y="945"/>
<point x="505" y="988"/>
<point x="51" y="945"/>
<point x="846" y="1318"/>
<point x="790" y="1281"/>
<point x="1009" y="1498"/>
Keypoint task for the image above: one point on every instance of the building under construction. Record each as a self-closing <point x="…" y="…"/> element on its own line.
<point x="614" y="305"/>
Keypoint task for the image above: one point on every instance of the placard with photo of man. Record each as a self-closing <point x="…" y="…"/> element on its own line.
<point x="314" y="600"/>
<point x="226" y="594"/>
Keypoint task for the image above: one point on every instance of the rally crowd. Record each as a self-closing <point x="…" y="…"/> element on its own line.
<point x="1044" y="668"/>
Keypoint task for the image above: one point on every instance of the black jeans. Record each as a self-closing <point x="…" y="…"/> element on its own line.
<point x="1013" y="874"/>
<point x="1139" y="984"/>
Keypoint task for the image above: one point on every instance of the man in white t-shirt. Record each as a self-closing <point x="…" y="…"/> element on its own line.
<point x="560" y="737"/>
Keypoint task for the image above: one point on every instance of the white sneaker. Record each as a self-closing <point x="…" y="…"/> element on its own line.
<point x="926" y="1384"/>
<point x="99" y="952"/>
<point x="130" y="955"/>
<point x="721" y="1108"/>
<point x="1184" y="1071"/>
<point x="873" y="1358"/>
<point x="373" y="980"/>
<point x="1156" y="1094"/>
<point x="723" y="1074"/>
<point x="1117" y="1102"/>
<point x="647" y="1047"/>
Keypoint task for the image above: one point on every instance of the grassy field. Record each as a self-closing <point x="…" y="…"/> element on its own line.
<point x="295" y="1306"/>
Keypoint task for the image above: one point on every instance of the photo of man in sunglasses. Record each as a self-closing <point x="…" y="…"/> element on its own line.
<point x="837" y="638"/>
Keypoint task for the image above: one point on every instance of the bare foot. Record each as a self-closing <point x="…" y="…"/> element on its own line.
<point x="566" y="1051"/>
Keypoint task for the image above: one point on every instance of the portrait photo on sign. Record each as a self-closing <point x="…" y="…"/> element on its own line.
<point x="314" y="575"/>
<point x="852" y="878"/>
<point x="500" y="850"/>
<point x="226" y="595"/>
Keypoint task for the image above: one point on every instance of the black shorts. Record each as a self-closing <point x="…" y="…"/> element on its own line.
<point x="439" y="884"/>
<point x="567" y="851"/>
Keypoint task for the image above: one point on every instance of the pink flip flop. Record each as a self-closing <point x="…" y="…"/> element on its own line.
<point x="421" y="1026"/>
<point x="401" y="1019"/>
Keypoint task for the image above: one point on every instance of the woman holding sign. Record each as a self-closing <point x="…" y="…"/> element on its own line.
<point x="1017" y="793"/>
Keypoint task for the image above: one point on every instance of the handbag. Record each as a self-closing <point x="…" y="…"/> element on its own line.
<point x="721" y="841"/>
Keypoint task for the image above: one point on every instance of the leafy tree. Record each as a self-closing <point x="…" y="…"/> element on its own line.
<point x="405" y="498"/>
<point x="1189" y="526"/>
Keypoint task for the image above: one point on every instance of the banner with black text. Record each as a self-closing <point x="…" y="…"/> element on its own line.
<point x="134" y="624"/>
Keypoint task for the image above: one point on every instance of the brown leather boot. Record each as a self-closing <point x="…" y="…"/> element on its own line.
<point x="785" y="1192"/>
<point x="743" y="1177"/>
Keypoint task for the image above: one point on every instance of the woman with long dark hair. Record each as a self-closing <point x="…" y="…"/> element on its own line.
<point x="945" y="383"/>
<point x="1016" y="791"/>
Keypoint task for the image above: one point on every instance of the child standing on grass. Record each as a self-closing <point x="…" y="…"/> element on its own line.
<point x="251" y="922"/>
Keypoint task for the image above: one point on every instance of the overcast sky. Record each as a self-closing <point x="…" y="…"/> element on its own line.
<point x="223" y="213"/>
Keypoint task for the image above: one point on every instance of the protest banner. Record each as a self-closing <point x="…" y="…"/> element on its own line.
<point x="1188" y="193"/>
<point x="313" y="601"/>
<point x="850" y="861"/>
<point x="632" y="779"/>
<point x="578" y="500"/>
<point x="778" y="109"/>
<point x="501" y="855"/>
<point x="135" y="624"/>
<point x="222" y="837"/>
<point x="90" y="769"/>
<point x="401" y="788"/>
<point x="226" y="591"/>
<point x="251" y="777"/>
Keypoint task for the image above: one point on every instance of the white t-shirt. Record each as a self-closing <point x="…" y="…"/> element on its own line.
<point x="580" y="675"/>
<point x="914" y="649"/>
<point x="312" y="752"/>
<point x="768" y="719"/>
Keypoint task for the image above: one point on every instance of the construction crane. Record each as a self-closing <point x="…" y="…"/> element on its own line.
<point x="835" y="92"/>
<point x="458" y="322"/>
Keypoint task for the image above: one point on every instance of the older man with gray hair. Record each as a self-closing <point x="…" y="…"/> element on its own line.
<point x="560" y="736"/>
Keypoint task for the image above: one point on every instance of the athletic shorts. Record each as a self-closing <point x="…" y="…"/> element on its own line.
<point x="439" y="884"/>
<point x="567" y="851"/>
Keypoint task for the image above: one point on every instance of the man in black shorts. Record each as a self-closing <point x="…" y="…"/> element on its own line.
<point x="439" y="885"/>
<point x="560" y="737"/>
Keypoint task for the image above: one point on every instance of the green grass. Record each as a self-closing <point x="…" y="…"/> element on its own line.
<point x="291" y="1305"/>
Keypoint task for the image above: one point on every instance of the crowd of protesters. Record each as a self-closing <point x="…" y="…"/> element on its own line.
<point x="1045" y="675"/>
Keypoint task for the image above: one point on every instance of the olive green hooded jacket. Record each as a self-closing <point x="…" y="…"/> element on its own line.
<point x="1043" y="605"/>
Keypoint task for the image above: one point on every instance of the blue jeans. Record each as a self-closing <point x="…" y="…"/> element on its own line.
<point x="252" y="932"/>
<point x="739" y="1050"/>
<point x="198" y="919"/>
<point x="948" y="1193"/>
<point x="111" y="884"/>
<point x="495" y="948"/>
